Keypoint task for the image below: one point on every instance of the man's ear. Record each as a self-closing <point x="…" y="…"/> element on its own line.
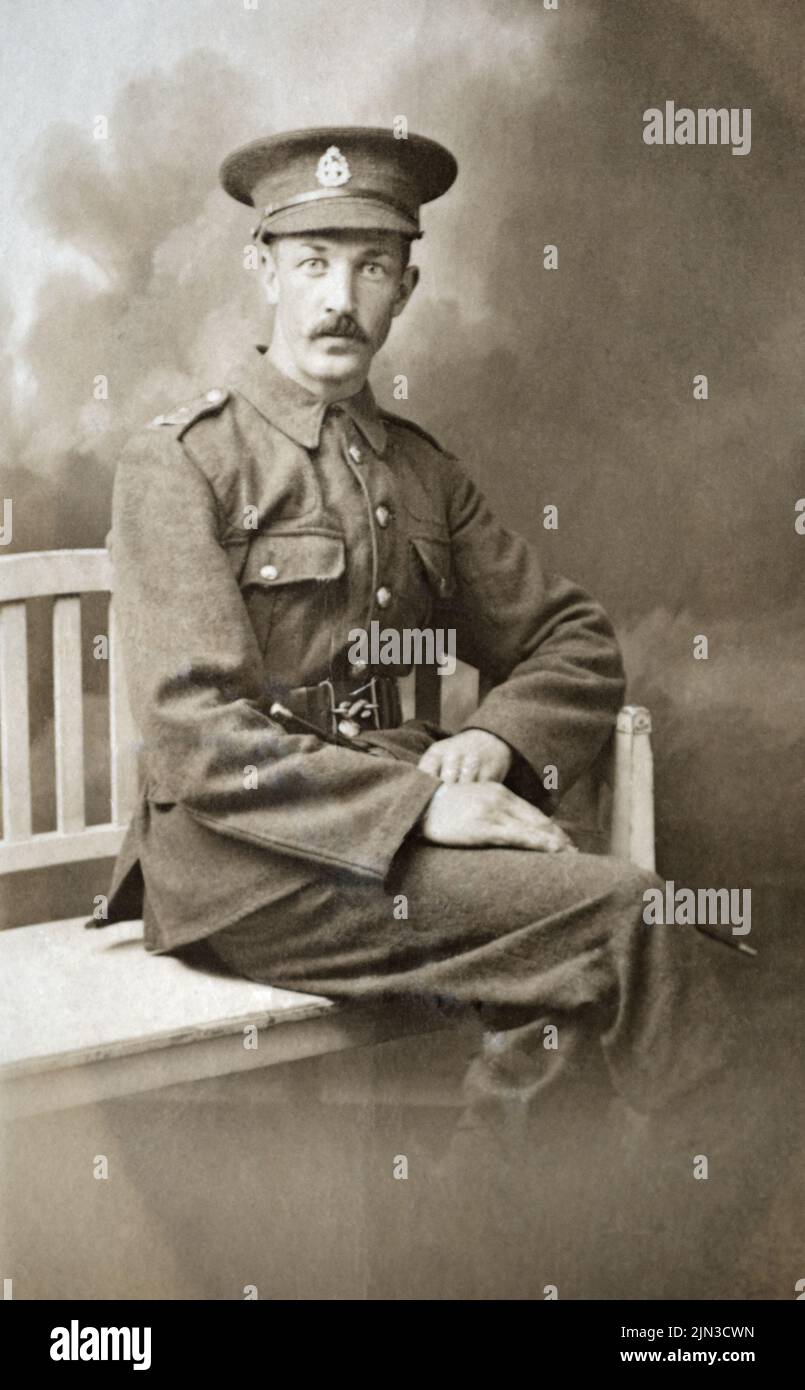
<point x="268" y="275"/>
<point x="408" y="283"/>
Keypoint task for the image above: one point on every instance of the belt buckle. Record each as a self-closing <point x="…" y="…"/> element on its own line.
<point x="345" y="724"/>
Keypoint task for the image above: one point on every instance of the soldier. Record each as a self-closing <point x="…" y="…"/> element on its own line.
<point x="285" y="803"/>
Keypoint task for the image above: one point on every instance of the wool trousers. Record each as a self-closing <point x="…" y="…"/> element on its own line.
<point x="571" y="985"/>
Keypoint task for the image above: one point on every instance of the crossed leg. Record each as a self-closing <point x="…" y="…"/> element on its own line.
<point x="569" y="981"/>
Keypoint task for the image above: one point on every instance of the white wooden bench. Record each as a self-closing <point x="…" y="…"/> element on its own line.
<point x="88" y="1015"/>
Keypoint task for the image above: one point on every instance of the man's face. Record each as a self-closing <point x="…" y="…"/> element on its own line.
<point x="336" y="294"/>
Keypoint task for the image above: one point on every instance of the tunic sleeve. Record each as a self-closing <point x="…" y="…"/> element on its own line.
<point x="548" y="645"/>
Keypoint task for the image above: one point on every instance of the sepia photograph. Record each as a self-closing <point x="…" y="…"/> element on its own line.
<point x="402" y="730"/>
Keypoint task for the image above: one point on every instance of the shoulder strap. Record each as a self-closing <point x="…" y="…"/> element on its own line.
<point x="184" y="416"/>
<point x="417" y="429"/>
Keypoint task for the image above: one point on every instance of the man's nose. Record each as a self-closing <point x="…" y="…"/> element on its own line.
<point x="340" y="296"/>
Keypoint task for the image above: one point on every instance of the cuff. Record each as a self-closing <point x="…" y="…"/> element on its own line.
<point x="522" y="777"/>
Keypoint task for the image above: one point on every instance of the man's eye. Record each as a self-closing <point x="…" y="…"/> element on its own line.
<point x="311" y="261"/>
<point x="374" y="269"/>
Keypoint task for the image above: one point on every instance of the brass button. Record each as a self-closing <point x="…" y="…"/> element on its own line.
<point x="215" y="395"/>
<point x="355" y="454"/>
<point x="383" y="516"/>
<point x="383" y="597"/>
<point x="269" y="572"/>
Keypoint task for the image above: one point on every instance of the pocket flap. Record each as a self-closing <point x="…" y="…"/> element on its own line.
<point x="436" y="558"/>
<point x="283" y="557"/>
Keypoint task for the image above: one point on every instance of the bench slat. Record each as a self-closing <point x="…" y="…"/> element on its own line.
<point x="68" y="712"/>
<point x="428" y="694"/>
<point x="54" y="847"/>
<point x="459" y="696"/>
<point x="42" y="573"/>
<point x="122" y="733"/>
<point x="632" y="835"/>
<point x="14" y="725"/>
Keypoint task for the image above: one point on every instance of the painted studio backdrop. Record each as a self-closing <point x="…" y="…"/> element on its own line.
<point x="569" y="384"/>
<point x="572" y="386"/>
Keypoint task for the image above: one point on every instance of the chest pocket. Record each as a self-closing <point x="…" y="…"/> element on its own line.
<point x="288" y="575"/>
<point x="434" y="555"/>
<point x="431" y="559"/>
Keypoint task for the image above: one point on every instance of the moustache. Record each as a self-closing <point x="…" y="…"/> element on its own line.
<point x="340" y="327"/>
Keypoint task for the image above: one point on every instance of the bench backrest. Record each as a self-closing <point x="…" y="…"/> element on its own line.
<point x="66" y="575"/>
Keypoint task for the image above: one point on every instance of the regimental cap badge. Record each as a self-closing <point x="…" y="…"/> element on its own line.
<point x="332" y="169"/>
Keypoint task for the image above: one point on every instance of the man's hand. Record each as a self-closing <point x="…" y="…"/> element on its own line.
<point x="489" y="814"/>
<point x="471" y="756"/>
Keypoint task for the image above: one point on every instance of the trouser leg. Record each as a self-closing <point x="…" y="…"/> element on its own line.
<point x="568" y="979"/>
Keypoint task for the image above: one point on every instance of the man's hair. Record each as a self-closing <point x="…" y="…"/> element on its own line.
<point x="404" y="242"/>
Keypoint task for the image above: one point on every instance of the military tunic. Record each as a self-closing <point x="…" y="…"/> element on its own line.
<point x="252" y="531"/>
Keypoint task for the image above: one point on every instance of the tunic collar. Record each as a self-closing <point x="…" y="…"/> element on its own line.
<point x="294" y="409"/>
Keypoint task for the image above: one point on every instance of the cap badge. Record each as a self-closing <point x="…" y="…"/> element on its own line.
<point x="333" y="169"/>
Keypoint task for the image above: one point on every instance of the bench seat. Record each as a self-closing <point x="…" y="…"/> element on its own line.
<point x="92" y="1015"/>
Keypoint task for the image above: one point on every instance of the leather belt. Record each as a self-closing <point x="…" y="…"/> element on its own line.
<point x="347" y="709"/>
